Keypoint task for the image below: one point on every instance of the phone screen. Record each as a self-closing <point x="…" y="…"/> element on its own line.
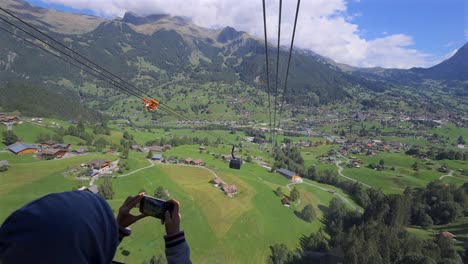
<point x="153" y="207"/>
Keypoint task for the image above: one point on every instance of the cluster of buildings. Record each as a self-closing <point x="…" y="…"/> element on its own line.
<point x="100" y="166"/>
<point x="162" y="148"/>
<point x="48" y="150"/>
<point x="229" y="189"/>
<point x="158" y="157"/>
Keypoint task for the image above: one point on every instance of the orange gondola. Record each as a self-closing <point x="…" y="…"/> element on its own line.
<point x="151" y="105"/>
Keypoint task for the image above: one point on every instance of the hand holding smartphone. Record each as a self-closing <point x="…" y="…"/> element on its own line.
<point x="155" y="207"/>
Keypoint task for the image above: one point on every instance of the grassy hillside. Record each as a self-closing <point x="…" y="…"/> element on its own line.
<point x="218" y="227"/>
<point x="43" y="101"/>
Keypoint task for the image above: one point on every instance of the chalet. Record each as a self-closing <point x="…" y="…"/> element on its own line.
<point x="286" y="202"/>
<point x="443" y="169"/>
<point x="448" y="235"/>
<point x="156" y="149"/>
<point x="188" y="161"/>
<point x="49" y="143"/>
<point x="9" y="119"/>
<point x="331" y="191"/>
<point x="4" y="163"/>
<point x="202" y="148"/>
<point x="64" y="146"/>
<point x="217" y="181"/>
<point x="80" y="151"/>
<point x="98" y="164"/>
<point x="172" y="159"/>
<point x="230" y="189"/>
<point x="19" y="148"/>
<point x="158" y="157"/>
<point x="53" y="153"/>
<point x="287" y="173"/>
<point x="197" y="162"/>
<point x="138" y="148"/>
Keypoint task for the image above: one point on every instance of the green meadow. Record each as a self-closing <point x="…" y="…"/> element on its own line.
<point x="218" y="227"/>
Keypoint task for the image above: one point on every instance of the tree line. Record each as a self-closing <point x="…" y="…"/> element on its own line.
<point x="379" y="235"/>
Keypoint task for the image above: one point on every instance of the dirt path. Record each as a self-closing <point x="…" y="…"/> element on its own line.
<point x="135" y="171"/>
<point x="344" y="199"/>
<point x="340" y="169"/>
<point x="450" y="174"/>
<point x="94" y="178"/>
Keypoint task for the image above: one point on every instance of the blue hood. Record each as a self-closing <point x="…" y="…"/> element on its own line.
<point x="69" y="227"/>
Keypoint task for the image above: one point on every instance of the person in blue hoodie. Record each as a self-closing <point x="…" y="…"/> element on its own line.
<point x="79" y="227"/>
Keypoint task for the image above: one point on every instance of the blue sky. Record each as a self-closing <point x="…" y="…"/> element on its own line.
<point x="437" y="26"/>
<point x="364" y="33"/>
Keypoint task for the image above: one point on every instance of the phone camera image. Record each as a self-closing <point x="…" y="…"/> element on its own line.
<point x="154" y="207"/>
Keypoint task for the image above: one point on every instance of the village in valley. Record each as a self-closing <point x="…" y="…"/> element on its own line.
<point x="344" y="142"/>
<point x="334" y="155"/>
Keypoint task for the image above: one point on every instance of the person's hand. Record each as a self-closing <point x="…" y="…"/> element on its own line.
<point x="125" y="218"/>
<point x="172" y="219"/>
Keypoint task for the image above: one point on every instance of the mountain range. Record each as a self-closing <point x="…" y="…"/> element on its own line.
<point x="156" y="49"/>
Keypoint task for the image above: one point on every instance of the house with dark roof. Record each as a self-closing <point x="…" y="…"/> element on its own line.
<point x="188" y="160"/>
<point x="49" y="143"/>
<point x="172" y="159"/>
<point x="19" y="148"/>
<point x="287" y="173"/>
<point x="9" y="119"/>
<point x="138" y="148"/>
<point x="156" y="148"/>
<point x="81" y="151"/>
<point x="158" y="157"/>
<point x="98" y="164"/>
<point x="53" y="153"/>
<point x="64" y="146"/>
<point x="286" y="202"/>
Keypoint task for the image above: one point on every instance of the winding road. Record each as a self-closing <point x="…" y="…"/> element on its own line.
<point x="344" y="199"/>
<point x="340" y="169"/>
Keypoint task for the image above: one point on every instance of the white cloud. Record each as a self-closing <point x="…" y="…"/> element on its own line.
<point x="323" y="26"/>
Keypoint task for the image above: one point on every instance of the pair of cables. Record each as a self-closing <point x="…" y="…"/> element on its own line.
<point x="276" y="126"/>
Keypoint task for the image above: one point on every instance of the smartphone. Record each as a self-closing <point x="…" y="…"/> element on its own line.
<point x="155" y="207"/>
